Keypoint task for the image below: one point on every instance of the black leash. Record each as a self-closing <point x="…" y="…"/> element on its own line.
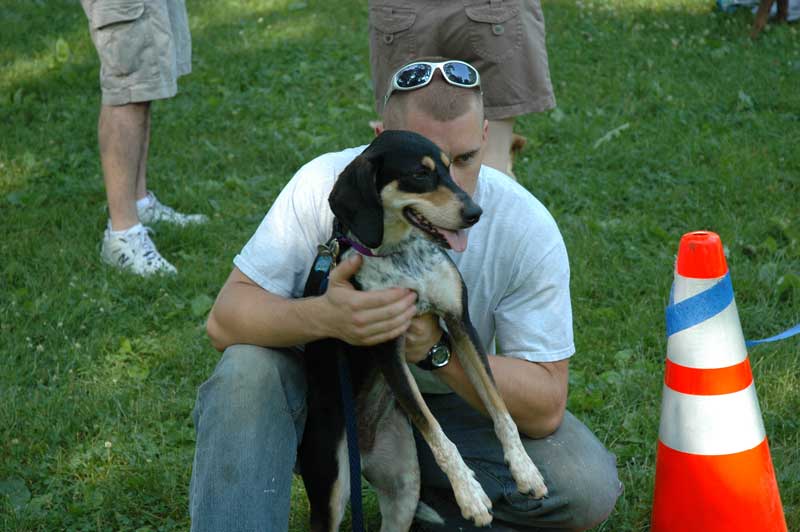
<point x="327" y="258"/>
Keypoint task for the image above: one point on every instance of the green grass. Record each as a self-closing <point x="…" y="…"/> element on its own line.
<point x="100" y="370"/>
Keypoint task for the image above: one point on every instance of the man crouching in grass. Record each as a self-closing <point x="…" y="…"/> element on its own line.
<point x="250" y="414"/>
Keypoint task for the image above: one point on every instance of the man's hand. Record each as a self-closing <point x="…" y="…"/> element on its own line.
<point x="365" y="318"/>
<point x="423" y="333"/>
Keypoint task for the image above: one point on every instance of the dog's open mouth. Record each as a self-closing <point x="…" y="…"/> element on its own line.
<point x="455" y="240"/>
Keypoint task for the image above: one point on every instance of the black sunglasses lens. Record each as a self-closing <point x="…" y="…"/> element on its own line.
<point x="413" y="76"/>
<point x="460" y="73"/>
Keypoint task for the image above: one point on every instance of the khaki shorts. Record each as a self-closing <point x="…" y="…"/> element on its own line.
<point x="143" y="45"/>
<point x="503" y="39"/>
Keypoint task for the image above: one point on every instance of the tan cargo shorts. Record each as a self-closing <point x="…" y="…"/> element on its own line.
<point x="144" y="47"/>
<point x="503" y="39"/>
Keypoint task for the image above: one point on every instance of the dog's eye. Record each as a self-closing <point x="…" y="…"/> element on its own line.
<point x="421" y="174"/>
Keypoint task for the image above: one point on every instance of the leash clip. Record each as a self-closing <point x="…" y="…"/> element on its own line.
<point x="330" y="249"/>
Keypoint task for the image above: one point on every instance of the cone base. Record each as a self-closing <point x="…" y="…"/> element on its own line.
<point x="729" y="493"/>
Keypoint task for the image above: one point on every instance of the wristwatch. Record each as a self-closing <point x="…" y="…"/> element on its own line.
<point x="438" y="356"/>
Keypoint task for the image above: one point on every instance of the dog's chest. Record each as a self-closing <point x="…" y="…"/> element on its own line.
<point x="420" y="266"/>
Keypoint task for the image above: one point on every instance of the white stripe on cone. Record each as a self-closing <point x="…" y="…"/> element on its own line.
<point x="711" y="424"/>
<point x="717" y="342"/>
<point x="686" y="287"/>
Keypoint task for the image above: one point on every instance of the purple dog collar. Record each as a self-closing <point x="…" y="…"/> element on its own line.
<point x="363" y="250"/>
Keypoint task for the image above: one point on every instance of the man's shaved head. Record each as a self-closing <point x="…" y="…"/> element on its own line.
<point x="439" y="100"/>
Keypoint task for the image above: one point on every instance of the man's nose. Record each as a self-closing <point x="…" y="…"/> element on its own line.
<point x="457" y="179"/>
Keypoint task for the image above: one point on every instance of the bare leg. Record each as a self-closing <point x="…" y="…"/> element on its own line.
<point x="498" y="147"/>
<point x="123" y="134"/>
<point x="783" y="10"/>
<point x="141" y="176"/>
<point x="761" y="17"/>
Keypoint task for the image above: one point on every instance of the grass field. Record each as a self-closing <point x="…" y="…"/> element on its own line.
<point x="669" y="120"/>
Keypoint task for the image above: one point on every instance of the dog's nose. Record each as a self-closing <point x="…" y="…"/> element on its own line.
<point x="471" y="213"/>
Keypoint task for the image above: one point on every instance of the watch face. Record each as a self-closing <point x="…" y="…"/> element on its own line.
<point x="440" y="356"/>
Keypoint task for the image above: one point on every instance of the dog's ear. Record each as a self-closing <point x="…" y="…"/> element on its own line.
<point x="355" y="201"/>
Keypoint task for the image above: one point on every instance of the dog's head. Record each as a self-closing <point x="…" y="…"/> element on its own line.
<point x="399" y="184"/>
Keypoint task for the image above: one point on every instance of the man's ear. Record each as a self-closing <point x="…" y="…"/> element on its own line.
<point x="356" y="203"/>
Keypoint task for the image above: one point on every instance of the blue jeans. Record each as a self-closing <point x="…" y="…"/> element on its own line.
<point x="249" y="419"/>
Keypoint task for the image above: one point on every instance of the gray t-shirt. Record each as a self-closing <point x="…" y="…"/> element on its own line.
<point x="515" y="265"/>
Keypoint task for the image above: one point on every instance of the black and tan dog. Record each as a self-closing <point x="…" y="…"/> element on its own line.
<point x="398" y="199"/>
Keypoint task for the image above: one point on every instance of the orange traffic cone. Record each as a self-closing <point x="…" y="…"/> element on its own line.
<point x="713" y="467"/>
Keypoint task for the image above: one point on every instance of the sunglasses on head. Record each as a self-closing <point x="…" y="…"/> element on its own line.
<point x="418" y="74"/>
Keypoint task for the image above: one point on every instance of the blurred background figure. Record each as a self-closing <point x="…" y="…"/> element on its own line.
<point x="504" y="40"/>
<point x="144" y="47"/>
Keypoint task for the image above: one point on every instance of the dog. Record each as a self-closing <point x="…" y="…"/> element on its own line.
<point x="398" y="202"/>
<point x="762" y="15"/>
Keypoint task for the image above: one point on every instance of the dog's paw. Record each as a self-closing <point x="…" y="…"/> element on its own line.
<point x="473" y="501"/>
<point x="527" y="476"/>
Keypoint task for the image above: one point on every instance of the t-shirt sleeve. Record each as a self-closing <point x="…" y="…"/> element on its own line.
<point x="279" y="255"/>
<point x="534" y="319"/>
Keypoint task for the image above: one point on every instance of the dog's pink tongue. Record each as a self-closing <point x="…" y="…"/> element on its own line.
<point x="456" y="239"/>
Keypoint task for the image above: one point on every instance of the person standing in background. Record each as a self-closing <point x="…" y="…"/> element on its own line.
<point x="504" y="40"/>
<point x="144" y="46"/>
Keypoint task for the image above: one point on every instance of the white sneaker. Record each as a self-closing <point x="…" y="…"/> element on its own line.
<point x="134" y="251"/>
<point x="156" y="211"/>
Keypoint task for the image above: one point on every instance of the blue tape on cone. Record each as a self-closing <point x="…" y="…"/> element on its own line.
<point x="707" y="304"/>
<point x="699" y="307"/>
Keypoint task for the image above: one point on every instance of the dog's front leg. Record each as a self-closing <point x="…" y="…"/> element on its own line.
<point x="476" y="365"/>
<point x="471" y="499"/>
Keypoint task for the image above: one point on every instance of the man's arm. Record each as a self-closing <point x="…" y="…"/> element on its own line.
<point x="245" y="313"/>
<point x="535" y="393"/>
